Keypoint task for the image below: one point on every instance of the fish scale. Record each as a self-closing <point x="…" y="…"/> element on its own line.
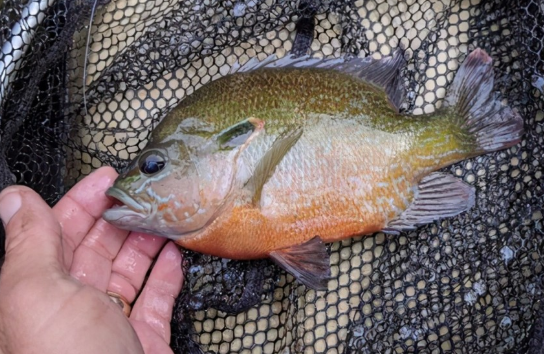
<point x="274" y="160"/>
<point x="331" y="173"/>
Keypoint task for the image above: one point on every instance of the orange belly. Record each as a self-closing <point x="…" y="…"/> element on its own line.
<point x="243" y="232"/>
<point x="248" y="235"/>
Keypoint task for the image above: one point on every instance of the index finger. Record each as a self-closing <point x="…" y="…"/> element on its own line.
<point x="79" y="209"/>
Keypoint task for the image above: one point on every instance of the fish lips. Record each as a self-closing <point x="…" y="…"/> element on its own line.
<point x="130" y="213"/>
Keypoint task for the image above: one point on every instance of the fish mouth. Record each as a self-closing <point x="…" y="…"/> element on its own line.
<point x="129" y="208"/>
<point x="126" y="199"/>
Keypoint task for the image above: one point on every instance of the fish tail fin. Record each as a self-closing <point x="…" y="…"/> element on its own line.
<point x="493" y="125"/>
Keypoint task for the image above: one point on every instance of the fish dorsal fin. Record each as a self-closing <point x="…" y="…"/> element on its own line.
<point x="384" y="72"/>
<point x="308" y="263"/>
<point x="267" y="164"/>
<point x="439" y="195"/>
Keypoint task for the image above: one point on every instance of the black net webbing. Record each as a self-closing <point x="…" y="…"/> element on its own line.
<point x="82" y="83"/>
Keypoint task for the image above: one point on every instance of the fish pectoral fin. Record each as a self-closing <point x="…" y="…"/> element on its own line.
<point x="308" y="262"/>
<point x="439" y="195"/>
<point x="272" y="158"/>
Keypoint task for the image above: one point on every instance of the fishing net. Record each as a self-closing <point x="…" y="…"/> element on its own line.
<point x="84" y="82"/>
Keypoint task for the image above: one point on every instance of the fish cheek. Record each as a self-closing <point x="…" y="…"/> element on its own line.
<point x="216" y="176"/>
<point x="206" y="189"/>
<point x="181" y="195"/>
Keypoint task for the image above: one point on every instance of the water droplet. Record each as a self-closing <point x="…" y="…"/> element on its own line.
<point x="538" y="82"/>
<point x="470" y="297"/>
<point x="507" y="253"/>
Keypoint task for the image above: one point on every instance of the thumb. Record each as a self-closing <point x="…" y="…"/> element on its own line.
<point x="33" y="234"/>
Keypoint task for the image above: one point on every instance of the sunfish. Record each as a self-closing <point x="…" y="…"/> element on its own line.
<point x="284" y="155"/>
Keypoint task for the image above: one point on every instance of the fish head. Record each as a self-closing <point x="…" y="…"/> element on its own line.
<point x="177" y="187"/>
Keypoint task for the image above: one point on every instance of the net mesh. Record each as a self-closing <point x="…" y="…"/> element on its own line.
<point x="83" y="83"/>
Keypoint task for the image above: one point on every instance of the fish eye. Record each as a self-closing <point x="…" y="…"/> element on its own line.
<point x="152" y="162"/>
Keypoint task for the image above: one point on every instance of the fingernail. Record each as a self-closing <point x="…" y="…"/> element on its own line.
<point x="9" y="205"/>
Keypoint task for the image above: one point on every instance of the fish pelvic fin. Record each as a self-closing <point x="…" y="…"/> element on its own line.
<point x="384" y="73"/>
<point x="493" y="125"/>
<point x="266" y="166"/>
<point x="309" y="263"/>
<point x="439" y="195"/>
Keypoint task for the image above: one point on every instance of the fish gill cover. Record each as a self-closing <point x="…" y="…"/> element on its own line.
<point x="82" y="83"/>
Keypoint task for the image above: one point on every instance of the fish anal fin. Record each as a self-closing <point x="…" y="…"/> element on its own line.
<point x="439" y="195"/>
<point x="308" y="262"/>
<point x="267" y="164"/>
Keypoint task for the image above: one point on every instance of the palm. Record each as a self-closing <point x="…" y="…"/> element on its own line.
<point x="94" y="257"/>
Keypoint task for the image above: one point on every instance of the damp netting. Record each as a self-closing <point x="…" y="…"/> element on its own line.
<point x="84" y="82"/>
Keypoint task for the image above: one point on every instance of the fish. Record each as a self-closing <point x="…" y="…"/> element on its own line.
<point x="284" y="155"/>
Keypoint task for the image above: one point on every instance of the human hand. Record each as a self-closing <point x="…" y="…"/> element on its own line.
<point x="59" y="264"/>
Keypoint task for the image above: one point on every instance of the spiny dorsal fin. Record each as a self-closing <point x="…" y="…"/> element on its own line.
<point x="309" y="263"/>
<point x="267" y="164"/>
<point x="439" y="195"/>
<point x="384" y="72"/>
